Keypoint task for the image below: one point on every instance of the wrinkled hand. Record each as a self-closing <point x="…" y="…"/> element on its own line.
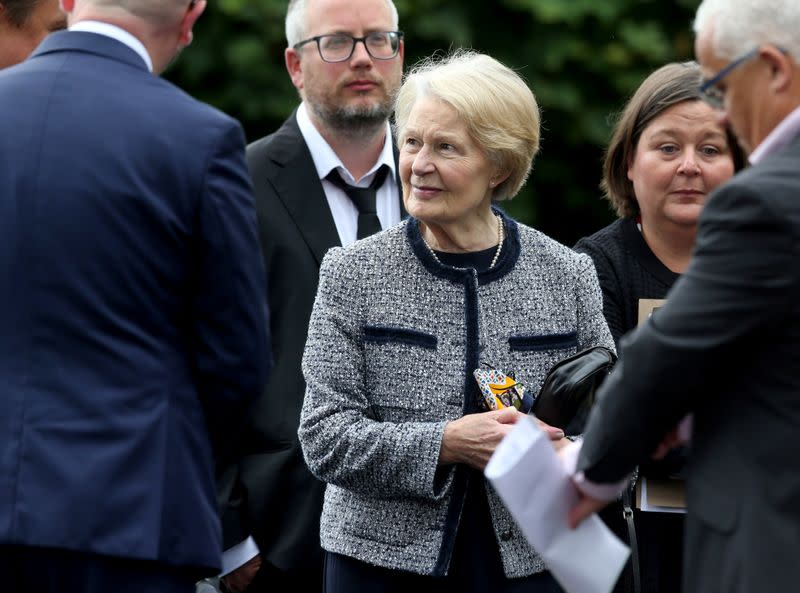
<point x="555" y="434"/>
<point x="585" y="507"/>
<point x="473" y="438"/>
<point x="238" y="580"/>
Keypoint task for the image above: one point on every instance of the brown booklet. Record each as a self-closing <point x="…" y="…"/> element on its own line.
<point x="667" y="495"/>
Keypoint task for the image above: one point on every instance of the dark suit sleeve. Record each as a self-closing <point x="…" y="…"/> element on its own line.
<point x="686" y="356"/>
<point x="232" y="356"/>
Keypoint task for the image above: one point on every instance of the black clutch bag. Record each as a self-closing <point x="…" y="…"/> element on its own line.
<point x="569" y="388"/>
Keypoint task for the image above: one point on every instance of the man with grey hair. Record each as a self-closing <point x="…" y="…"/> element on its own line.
<point x="725" y="346"/>
<point x="133" y="331"/>
<point x="23" y="25"/>
<point x="327" y="177"/>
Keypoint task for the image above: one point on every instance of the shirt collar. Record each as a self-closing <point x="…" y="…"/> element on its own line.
<point x="117" y="33"/>
<point x="781" y="136"/>
<point x="324" y="157"/>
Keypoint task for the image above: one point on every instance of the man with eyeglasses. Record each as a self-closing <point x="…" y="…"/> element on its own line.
<point x="23" y="25"/>
<point x="133" y="327"/>
<point x="726" y="346"/>
<point x="345" y="58"/>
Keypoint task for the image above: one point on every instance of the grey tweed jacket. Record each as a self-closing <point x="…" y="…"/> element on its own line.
<point x="393" y="340"/>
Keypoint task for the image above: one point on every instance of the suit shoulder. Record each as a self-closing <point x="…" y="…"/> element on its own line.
<point x="769" y="187"/>
<point x="196" y="109"/>
<point x="260" y="146"/>
<point x="283" y="148"/>
<point x="288" y="133"/>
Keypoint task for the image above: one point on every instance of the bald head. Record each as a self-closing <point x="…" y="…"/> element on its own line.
<point x="154" y="11"/>
<point x="163" y="26"/>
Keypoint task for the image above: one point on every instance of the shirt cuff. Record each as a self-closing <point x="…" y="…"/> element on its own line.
<point x="605" y="492"/>
<point x="238" y="555"/>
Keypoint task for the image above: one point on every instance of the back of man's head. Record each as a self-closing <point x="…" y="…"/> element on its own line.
<point x="741" y="25"/>
<point x="163" y="26"/>
<point x="153" y="11"/>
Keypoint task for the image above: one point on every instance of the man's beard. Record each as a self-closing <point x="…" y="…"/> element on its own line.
<point x="354" y="121"/>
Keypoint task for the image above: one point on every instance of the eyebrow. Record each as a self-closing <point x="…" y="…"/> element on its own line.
<point x="673" y="132"/>
<point x="436" y="134"/>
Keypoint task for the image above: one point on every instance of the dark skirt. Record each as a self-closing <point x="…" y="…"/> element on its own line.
<point x="474" y="568"/>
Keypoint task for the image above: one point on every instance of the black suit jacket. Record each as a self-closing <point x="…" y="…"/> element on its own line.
<point x="726" y="347"/>
<point x="281" y="499"/>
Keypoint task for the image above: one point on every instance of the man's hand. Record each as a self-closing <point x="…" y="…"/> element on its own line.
<point x="674" y="438"/>
<point x="585" y="507"/>
<point x="238" y="580"/>
<point x="669" y="442"/>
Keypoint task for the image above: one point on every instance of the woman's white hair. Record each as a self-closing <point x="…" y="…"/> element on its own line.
<point x="296" y="21"/>
<point x="495" y="103"/>
<point x="740" y="25"/>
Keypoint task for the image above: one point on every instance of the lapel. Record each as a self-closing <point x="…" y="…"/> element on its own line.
<point x="300" y="191"/>
<point x="403" y="213"/>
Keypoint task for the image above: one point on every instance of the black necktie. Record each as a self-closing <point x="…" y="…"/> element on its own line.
<point x="364" y="200"/>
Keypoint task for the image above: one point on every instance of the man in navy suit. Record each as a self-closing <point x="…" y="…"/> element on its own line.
<point x="133" y="330"/>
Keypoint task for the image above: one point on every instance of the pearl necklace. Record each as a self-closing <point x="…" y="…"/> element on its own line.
<point x="501" y="236"/>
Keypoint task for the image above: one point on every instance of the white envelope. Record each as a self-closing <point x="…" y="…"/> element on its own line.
<point x="529" y="477"/>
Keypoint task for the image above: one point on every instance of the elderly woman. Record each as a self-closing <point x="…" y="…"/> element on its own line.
<point x="392" y="418"/>
<point x="667" y="153"/>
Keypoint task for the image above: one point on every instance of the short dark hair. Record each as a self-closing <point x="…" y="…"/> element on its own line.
<point x="18" y="11"/>
<point x="669" y="85"/>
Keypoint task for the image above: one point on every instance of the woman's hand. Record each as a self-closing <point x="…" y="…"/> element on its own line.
<point x="473" y="438"/>
<point x="556" y="434"/>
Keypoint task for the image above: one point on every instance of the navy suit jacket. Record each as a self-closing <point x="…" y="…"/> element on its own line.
<point x="726" y="347"/>
<point x="133" y="329"/>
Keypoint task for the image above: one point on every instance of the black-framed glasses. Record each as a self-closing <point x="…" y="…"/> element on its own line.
<point x="339" y="47"/>
<point x="710" y="92"/>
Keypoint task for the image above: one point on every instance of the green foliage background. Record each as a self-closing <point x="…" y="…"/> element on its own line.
<point x="582" y="58"/>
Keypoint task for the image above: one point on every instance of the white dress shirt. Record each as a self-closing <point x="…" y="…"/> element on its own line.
<point x="117" y="33"/>
<point x="345" y="213"/>
<point x="781" y="136"/>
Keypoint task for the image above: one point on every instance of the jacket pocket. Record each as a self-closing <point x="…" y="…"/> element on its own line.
<point x="398" y="363"/>
<point x="382" y="334"/>
<point x="535" y="343"/>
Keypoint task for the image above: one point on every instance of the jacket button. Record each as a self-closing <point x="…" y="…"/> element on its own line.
<point x="506" y="535"/>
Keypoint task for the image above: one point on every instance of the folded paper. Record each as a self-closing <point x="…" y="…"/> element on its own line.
<point x="535" y="487"/>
